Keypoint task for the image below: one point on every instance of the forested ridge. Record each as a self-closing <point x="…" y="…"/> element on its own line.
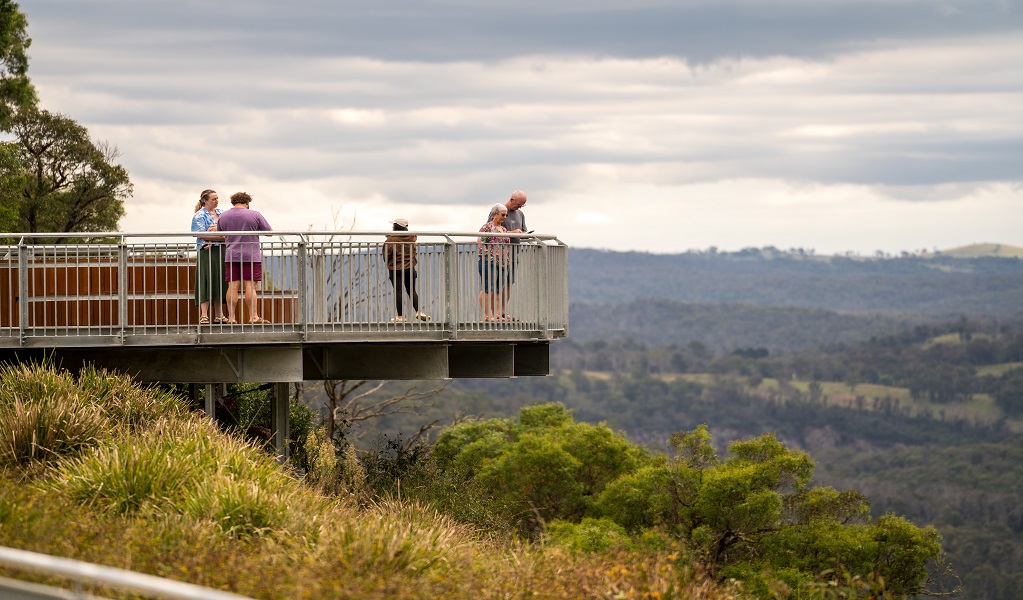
<point x="901" y="376"/>
<point x="912" y="284"/>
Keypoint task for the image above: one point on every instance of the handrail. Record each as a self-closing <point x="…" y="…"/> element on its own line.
<point x="131" y="581"/>
<point x="191" y="234"/>
<point x="118" y="288"/>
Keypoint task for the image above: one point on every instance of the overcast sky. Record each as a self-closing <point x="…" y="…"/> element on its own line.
<point x="837" y="125"/>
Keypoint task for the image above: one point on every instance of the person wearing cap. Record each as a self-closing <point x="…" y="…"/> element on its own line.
<point x="401" y="257"/>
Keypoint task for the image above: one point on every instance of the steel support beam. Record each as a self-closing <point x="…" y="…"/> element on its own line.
<point x="376" y="361"/>
<point x="181" y="364"/>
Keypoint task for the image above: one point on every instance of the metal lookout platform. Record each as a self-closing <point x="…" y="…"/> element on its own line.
<point x="126" y="302"/>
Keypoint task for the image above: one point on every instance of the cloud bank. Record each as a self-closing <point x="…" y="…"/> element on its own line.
<point x="659" y="126"/>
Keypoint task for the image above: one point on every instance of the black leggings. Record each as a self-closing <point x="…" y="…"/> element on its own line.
<point x="409" y="276"/>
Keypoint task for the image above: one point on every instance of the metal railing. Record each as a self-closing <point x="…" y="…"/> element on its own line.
<point x="79" y="573"/>
<point x="140" y="289"/>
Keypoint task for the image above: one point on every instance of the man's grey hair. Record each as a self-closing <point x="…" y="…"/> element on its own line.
<point x="496" y="209"/>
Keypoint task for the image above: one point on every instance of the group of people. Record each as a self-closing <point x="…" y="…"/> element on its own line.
<point x="496" y="263"/>
<point x="498" y="256"/>
<point x="227" y="263"/>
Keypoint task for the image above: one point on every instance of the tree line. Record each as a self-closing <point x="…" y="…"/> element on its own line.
<point x="939" y="362"/>
<point x="53" y="176"/>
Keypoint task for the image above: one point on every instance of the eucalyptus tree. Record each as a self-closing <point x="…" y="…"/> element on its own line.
<point x="70" y="183"/>
<point x="16" y="91"/>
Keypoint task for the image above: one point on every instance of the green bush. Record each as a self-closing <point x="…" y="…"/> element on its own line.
<point x="543" y="467"/>
<point x="589" y="535"/>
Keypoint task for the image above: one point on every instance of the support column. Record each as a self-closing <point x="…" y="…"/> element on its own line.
<point x="279" y="422"/>
<point x="211" y="402"/>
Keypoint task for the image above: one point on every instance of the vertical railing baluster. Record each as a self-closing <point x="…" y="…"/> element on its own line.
<point x="22" y="290"/>
<point x="301" y="283"/>
<point x="451" y="287"/>
<point x="122" y="287"/>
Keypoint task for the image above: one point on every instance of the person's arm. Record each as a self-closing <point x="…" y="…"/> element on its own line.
<point x="197" y="225"/>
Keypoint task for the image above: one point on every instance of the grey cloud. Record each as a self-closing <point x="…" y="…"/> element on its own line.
<point x="439" y="31"/>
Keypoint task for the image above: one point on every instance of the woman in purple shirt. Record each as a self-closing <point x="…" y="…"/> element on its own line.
<point x="244" y="259"/>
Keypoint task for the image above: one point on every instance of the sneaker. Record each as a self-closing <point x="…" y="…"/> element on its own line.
<point x="422" y="316"/>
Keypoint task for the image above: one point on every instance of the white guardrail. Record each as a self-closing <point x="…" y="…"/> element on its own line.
<point x="121" y="288"/>
<point x="78" y="573"/>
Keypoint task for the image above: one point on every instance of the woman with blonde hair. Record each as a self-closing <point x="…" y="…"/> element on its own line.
<point x="210" y="284"/>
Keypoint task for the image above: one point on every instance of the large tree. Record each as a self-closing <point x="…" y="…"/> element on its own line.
<point x="16" y="91"/>
<point x="70" y="183"/>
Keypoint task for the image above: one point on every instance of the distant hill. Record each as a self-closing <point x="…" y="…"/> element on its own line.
<point x="980" y="250"/>
<point x="907" y="286"/>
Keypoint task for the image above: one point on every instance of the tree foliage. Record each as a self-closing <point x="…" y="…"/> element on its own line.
<point x="69" y="183"/>
<point x="751" y="516"/>
<point x="16" y="91"/>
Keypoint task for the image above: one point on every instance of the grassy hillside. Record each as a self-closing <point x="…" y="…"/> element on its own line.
<point x="97" y="469"/>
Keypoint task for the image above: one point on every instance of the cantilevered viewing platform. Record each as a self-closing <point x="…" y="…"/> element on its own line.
<point x="125" y="302"/>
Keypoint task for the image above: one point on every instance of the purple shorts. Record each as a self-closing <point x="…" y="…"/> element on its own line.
<point x="237" y="271"/>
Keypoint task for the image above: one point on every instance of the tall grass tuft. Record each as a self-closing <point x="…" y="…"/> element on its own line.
<point x="187" y="466"/>
<point x="126" y="404"/>
<point x="240" y="508"/>
<point x="394" y="536"/>
<point x="126" y="476"/>
<point x="43" y="414"/>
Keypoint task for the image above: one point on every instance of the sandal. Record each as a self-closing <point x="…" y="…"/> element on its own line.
<point x="220" y="320"/>
<point x="204" y="320"/>
<point x="259" y="322"/>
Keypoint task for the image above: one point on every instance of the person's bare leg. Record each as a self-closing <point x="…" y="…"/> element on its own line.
<point x="204" y="309"/>
<point x="232" y="300"/>
<point x="250" y="300"/>
<point x="492" y="304"/>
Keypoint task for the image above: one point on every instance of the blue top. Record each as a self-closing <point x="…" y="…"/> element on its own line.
<point x="201" y="221"/>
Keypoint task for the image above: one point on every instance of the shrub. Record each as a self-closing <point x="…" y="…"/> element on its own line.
<point x="589" y="535"/>
<point x="544" y="467"/>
